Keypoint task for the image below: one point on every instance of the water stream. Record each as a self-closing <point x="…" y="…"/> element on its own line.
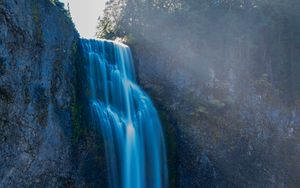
<point x="133" y="136"/>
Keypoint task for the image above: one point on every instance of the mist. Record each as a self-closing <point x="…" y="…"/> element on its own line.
<point x="225" y="73"/>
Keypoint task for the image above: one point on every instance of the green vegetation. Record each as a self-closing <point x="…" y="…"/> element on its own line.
<point x="227" y="72"/>
<point x="37" y="20"/>
<point x="76" y="105"/>
<point x="215" y="103"/>
<point x="40" y="104"/>
<point x="61" y="6"/>
<point x="252" y="38"/>
<point x="57" y="3"/>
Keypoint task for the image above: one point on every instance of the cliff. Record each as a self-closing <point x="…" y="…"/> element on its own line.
<point x="223" y="77"/>
<point x="36" y="91"/>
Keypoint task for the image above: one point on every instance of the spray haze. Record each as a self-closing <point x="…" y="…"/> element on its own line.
<point x="227" y="71"/>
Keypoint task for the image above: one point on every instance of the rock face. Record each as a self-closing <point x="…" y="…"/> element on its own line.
<point x="224" y="128"/>
<point x="36" y="89"/>
<point x="231" y="129"/>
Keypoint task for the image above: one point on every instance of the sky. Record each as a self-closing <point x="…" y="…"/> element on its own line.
<point x="85" y="14"/>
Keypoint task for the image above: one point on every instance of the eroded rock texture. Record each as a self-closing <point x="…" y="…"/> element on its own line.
<point x="36" y="89"/>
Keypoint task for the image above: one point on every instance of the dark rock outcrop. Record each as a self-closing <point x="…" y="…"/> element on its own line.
<point x="36" y="91"/>
<point x="232" y="129"/>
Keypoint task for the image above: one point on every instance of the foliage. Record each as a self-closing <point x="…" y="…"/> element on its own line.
<point x="37" y="21"/>
<point x="262" y="35"/>
<point x="57" y="3"/>
<point x="225" y="68"/>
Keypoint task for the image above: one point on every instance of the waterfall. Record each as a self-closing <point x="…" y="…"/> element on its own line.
<point x="133" y="136"/>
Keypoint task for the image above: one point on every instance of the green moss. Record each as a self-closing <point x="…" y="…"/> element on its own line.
<point x="78" y="104"/>
<point x="40" y="103"/>
<point x="201" y="109"/>
<point x="86" y="137"/>
<point x="74" y="48"/>
<point x="55" y="78"/>
<point x="217" y="104"/>
<point x="78" y="131"/>
<point x="54" y="2"/>
<point x="263" y="84"/>
<point x="57" y="3"/>
<point x="37" y="20"/>
<point x="74" y="104"/>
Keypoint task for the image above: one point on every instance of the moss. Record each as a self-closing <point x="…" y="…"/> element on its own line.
<point x="37" y="20"/>
<point x="79" y="103"/>
<point x="201" y="110"/>
<point x="217" y="104"/>
<point x="263" y="82"/>
<point x="57" y="3"/>
<point x="55" y="80"/>
<point x="41" y="102"/>
<point x="54" y="2"/>
<point x="26" y="96"/>
<point x="78" y="130"/>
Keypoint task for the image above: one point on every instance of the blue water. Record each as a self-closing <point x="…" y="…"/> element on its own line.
<point x="133" y="137"/>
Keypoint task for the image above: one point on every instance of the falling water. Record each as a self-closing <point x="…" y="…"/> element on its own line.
<point x="134" y="142"/>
